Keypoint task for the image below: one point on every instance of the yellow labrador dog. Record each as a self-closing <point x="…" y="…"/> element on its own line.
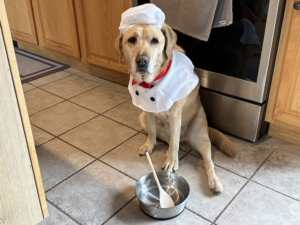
<point x="147" y="50"/>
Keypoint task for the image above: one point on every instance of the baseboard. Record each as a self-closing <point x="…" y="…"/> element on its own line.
<point x="284" y="134"/>
<point x="111" y="75"/>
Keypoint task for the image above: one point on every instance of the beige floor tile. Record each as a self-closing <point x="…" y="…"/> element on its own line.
<point x="27" y="87"/>
<point x="132" y="214"/>
<point x="257" y="205"/>
<point x="247" y="160"/>
<point x="98" y="136"/>
<point x="127" y="114"/>
<point x="97" y="80"/>
<point x="102" y="98"/>
<point x="37" y="100"/>
<point x="56" y="217"/>
<point x="58" y="161"/>
<point x="201" y="199"/>
<point x="283" y="145"/>
<point x="50" y="78"/>
<point x="94" y="194"/>
<point x="281" y="173"/>
<point x="61" y="118"/>
<point x="126" y="157"/>
<point x="72" y="71"/>
<point x="40" y="136"/>
<point x="69" y="86"/>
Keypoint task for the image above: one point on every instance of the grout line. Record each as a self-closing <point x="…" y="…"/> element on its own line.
<point x="186" y="153"/>
<point x="118" y="145"/>
<point x="49" y="82"/>
<point x="70" y="176"/>
<point x="83" y="106"/>
<point x="118" y="210"/>
<point x="77" y="148"/>
<point x="94" y="117"/>
<point x="84" y="91"/>
<point x="44" y="142"/>
<point x="48" y="107"/>
<point x="222" y="167"/>
<point x="43" y="130"/>
<point x="244" y="185"/>
<point x="55" y="206"/>
<point x="198" y="214"/>
<point x="275" y="190"/>
<point x="115" y="106"/>
<point x="118" y="170"/>
<point x="121" y="123"/>
<point x="69" y="97"/>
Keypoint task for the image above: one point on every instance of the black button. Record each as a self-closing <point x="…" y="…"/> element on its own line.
<point x="137" y="93"/>
<point x="152" y="99"/>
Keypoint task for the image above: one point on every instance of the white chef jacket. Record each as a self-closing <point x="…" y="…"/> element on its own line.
<point x="177" y="83"/>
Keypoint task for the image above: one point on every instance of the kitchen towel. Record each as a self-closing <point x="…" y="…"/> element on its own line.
<point x="196" y="18"/>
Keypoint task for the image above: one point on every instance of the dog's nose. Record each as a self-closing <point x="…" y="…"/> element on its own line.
<point x="142" y="60"/>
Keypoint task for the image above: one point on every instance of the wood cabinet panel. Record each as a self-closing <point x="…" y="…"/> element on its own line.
<point x="21" y="21"/>
<point x="98" y="23"/>
<point x="287" y="107"/>
<point x="56" y="25"/>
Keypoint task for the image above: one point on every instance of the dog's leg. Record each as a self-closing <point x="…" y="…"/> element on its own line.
<point x="175" y="128"/>
<point x="148" y="122"/>
<point x="198" y="137"/>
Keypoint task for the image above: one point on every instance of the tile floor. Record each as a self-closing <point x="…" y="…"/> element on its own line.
<point x="87" y="135"/>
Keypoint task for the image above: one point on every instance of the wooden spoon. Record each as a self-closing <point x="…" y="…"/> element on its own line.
<point x="164" y="199"/>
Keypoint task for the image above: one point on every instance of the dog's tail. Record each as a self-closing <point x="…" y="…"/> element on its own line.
<point x="221" y="142"/>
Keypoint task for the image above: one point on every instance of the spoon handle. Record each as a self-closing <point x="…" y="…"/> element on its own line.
<point x="153" y="171"/>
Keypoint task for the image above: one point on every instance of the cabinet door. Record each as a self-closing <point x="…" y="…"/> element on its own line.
<point x="285" y="92"/>
<point x="56" y="25"/>
<point x="22" y="197"/>
<point x="98" y="23"/>
<point x="21" y="22"/>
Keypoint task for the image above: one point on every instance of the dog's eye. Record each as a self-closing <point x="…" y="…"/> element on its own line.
<point x="132" y="40"/>
<point x="154" y="41"/>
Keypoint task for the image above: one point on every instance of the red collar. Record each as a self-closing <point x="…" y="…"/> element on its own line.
<point x="160" y="75"/>
<point x="248" y="16"/>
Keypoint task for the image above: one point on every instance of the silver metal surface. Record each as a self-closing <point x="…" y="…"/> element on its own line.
<point x="134" y="3"/>
<point x="147" y="192"/>
<point x="233" y="116"/>
<point x="241" y="88"/>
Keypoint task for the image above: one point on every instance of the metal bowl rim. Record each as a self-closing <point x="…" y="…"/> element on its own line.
<point x="163" y="172"/>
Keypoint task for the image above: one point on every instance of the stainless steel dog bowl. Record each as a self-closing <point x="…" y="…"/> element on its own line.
<point x="147" y="192"/>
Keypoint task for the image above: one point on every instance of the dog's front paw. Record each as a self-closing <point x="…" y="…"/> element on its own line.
<point x="171" y="164"/>
<point x="215" y="186"/>
<point x="146" y="148"/>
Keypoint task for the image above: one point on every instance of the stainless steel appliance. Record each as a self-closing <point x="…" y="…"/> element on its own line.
<point x="235" y="77"/>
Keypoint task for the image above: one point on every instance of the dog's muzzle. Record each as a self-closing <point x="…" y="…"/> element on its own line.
<point x="142" y="62"/>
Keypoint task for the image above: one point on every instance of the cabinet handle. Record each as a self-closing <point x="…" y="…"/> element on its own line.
<point x="297" y="5"/>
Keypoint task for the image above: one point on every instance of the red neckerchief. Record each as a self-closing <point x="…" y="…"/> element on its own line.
<point x="160" y="75"/>
<point x="248" y="16"/>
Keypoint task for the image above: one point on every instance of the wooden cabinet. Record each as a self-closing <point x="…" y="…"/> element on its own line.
<point x="284" y="102"/>
<point x="56" y="25"/>
<point x="83" y="29"/>
<point x="22" y="197"/>
<point x="21" y="21"/>
<point x="98" y="23"/>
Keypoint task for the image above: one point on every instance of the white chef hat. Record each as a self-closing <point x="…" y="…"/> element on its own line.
<point x="143" y="14"/>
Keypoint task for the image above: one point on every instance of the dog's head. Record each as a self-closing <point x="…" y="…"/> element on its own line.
<point x="146" y="50"/>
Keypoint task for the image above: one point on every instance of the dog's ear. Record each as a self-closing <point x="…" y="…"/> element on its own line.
<point x="118" y="46"/>
<point x="171" y="39"/>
